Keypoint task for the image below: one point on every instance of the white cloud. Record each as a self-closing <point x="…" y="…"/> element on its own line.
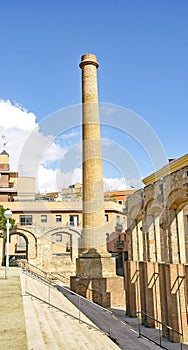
<point x="70" y="135"/>
<point x="15" y="116"/>
<point x="34" y="154"/>
<point x="47" y="180"/>
<point x="52" y="153"/>
<point x="17" y="125"/>
<point x="54" y="180"/>
<point x="111" y="184"/>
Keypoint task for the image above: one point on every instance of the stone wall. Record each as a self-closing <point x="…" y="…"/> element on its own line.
<point x="156" y="276"/>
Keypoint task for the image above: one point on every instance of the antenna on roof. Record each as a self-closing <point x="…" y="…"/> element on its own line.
<point x="4" y="141"/>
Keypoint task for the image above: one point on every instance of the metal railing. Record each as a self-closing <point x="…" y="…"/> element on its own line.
<point x="51" y="283"/>
<point x="166" y="334"/>
<point x="52" y="276"/>
<point x="57" y="281"/>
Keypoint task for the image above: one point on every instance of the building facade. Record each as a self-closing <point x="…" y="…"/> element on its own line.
<point x="46" y="232"/>
<point x="156" y="274"/>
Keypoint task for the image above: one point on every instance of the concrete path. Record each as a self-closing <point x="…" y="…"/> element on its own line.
<point x="125" y="336"/>
<point x="12" y="320"/>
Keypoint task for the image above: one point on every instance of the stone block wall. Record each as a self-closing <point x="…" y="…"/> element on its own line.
<point x="160" y="291"/>
<point x="107" y="292"/>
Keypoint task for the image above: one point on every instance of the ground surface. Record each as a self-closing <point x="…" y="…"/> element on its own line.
<point x="28" y="322"/>
<point x="12" y="320"/>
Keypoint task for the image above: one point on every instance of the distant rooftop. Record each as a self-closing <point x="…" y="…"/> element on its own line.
<point x="4" y="153"/>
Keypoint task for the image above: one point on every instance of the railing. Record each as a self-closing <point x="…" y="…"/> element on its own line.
<point x="35" y="269"/>
<point x="166" y="334"/>
<point x="54" y="277"/>
<point x="144" y="320"/>
<point x="50" y="281"/>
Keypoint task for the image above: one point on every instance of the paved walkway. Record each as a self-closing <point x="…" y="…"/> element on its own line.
<point x="122" y="328"/>
<point x="28" y="322"/>
<point x="43" y="327"/>
<point x="12" y="320"/>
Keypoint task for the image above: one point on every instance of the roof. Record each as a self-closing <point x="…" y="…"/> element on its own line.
<point x="173" y="166"/>
<point x="4" y="153"/>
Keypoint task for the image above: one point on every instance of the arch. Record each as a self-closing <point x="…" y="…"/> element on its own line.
<point x="30" y="238"/>
<point x="153" y="207"/>
<point x="63" y="229"/>
<point x="67" y="244"/>
<point x="177" y="199"/>
<point x="134" y="213"/>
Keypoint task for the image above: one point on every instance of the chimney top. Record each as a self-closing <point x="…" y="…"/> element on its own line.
<point x="88" y="58"/>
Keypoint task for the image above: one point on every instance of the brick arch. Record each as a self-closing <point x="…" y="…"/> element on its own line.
<point x="31" y="241"/>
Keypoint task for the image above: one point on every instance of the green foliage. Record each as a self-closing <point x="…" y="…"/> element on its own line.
<point x="3" y="222"/>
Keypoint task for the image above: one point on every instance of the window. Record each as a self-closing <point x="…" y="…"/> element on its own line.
<point x="120" y="202"/>
<point x="73" y="220"/>
<point x="106" y="217"/>
<point x="26" y="220"/>
<point x="117" y="218"/>
<point x="58" y="218"/>
<point x="20" y="246"/>
<point x="43" y="218"/>
<point x="58" y="237"/>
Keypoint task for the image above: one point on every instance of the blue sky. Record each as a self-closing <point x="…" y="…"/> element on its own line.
<point x="141" y="45"/>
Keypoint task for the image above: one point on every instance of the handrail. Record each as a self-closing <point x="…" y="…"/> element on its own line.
<point x="55" y="286"/>
<point x="63" y="287"/>
<point x="163" y="325"/>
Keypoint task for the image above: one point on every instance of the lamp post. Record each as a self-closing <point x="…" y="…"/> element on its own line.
<point x="7" y="215"/>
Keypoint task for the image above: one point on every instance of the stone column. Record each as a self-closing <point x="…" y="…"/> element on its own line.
<point x="140" y="242"/>
<point x="94" y="235"/>
<point x="135" y="246"/>
<point x="154" y="238"/>
<point x="158" y="240"/>
<point x="176" y="296"/>
<point x="95" y="269"/>
<point x="181" y="234"/>
<point x="150" y="292"/>
<point x="132" y="288"/>
<point x="177" y="248"/>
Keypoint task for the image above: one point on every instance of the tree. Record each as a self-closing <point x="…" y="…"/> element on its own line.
<point x="3" y="222"/>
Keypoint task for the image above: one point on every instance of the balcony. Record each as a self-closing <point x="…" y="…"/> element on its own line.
<point x="119" y="244"/>
<point x="8" y="189"/>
